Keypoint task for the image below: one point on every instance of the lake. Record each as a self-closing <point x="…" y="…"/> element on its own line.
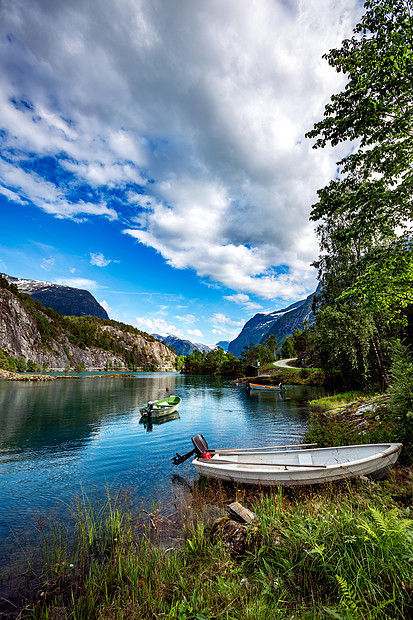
<point x="61" y="437"/>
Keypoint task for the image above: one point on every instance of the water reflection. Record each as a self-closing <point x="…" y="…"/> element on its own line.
<point x="58" y="438"/>
<point x="43" y="416"/>
<point x="149" y="422"/>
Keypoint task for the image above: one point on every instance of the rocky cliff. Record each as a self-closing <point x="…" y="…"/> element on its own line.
<point x="31" y="332"/>
<point x="66" y="300"/>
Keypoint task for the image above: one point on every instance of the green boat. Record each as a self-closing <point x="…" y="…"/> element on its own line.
<point x="162" y="407"/>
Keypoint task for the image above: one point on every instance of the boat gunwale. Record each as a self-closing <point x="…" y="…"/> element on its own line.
<point x="289" y="467"/>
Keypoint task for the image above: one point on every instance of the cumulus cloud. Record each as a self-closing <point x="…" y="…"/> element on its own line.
<point x="243" y="300"/>
<point x="195" y="332"/>
<point x="97" y="259"/>
<point x="106" y="306"/>
<point x="157" y="326"/>
<point x="185" y="120"/>
<point x="218" y="317"/>
<point x="83" y="283"/>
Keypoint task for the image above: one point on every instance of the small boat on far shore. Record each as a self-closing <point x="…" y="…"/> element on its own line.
<point x="160" y="408"/>
<point x="258" y="387"/>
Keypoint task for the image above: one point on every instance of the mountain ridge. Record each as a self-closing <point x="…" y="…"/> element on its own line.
<point x="281" y="323"/>
<point x="182" y="346"/>
<point x="66" y="300"/>
<point x="39" y="335"/>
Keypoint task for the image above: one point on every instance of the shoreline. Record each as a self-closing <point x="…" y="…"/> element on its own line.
<point x="8" y="375"/>
<point x="126" y="562"/>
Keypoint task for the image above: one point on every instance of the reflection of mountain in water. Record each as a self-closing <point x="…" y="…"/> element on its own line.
<point x="45" y="416"/>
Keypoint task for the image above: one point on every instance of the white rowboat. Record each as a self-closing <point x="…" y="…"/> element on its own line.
<point x="257" y="387"/>
<point x="299" y="467"/>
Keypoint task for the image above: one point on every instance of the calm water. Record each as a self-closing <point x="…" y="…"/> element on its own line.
<point x="60" y="437"/>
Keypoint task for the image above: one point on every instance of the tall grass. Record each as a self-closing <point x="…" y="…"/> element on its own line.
<point x="340" y="551"/>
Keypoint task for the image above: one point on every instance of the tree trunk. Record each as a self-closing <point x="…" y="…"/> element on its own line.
<point x="384" y="377"/>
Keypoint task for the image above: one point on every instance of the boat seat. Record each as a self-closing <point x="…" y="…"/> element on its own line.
<point x="305" y="458"/>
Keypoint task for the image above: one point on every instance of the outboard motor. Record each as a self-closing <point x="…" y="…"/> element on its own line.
<point x="149" y="408"/>
<point x="200" y="449"/>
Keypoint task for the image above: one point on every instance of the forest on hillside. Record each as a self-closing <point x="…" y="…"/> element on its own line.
<point x="82" y="332"/>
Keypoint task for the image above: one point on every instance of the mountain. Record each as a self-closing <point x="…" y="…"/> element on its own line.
<point x="292" y="320"/>
<point x="182" y="347"/>
<point x="31" y="333"/>
<point x="281" y="323"/>
<point x="223" y="344"/>
<point x="66" y="300"/>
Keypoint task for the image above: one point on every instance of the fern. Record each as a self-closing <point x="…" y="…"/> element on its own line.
<point x="387" y="526"/>
<point x="348" y="596"/>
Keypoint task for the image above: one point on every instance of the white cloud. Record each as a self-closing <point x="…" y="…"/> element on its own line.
<point x="84" y="283"/>
<point x="157" y="326"/>
<point x="106" y="306"/>
<point x="99" y="260"/>
<point x="243" y="300"/>
<point x="210" y="101"/>
<point x="194" y="332"/>
<point x="47" y="263"/>
<point x="218" y="317"/>
<point x="188" y="318"/>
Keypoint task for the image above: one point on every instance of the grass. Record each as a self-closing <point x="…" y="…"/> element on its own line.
<point x="343" y="550"/>
<point x="340" y="551"/>
<point x="328" y="403"/>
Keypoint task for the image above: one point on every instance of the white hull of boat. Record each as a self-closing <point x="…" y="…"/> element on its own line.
<point x="255" y="387"/>
<point x="300" y="467"/>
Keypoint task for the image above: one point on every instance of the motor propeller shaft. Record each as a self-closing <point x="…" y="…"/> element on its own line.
<point x="181" y="458"/>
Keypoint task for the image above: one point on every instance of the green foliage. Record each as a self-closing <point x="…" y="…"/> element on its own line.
<point x="264" y="353"/>
<point x="287" y="349"/>
<point x="375" y="108"/>
<point x="371" y="201"/>
<point x="7" y="362"/>
<point x="180" y="362"/>
<point x="341" y="551"/>
<point x="83" y="332"/>
<point x="365" y="214"/>
<point x="348" y="343"/>
<point x="401" y="394"/>
<point x="215" y="362"/>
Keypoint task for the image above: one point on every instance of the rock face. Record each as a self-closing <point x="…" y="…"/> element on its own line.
<point x="281" y="323"/>
<point x="20" y="337"/>
<point x="66" y="300"/>
<point x="182" y="347"/>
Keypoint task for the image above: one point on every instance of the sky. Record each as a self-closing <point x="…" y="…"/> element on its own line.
<point x="153" y="152"/>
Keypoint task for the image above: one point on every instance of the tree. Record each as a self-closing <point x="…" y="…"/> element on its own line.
<point x="374" y="191"/>
<point x="287" y="348"/>
<point x="354" y="347"/>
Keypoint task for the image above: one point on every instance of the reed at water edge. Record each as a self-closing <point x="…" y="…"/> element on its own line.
<point x="340" y="551"/>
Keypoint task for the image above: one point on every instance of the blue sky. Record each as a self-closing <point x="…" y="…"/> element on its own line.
<point x="153" y="152"/>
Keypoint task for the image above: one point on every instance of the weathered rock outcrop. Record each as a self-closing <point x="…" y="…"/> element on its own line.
<point x="20" y="337"/>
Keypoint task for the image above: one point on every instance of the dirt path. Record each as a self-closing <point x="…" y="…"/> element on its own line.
<point x="285" y="363"/>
